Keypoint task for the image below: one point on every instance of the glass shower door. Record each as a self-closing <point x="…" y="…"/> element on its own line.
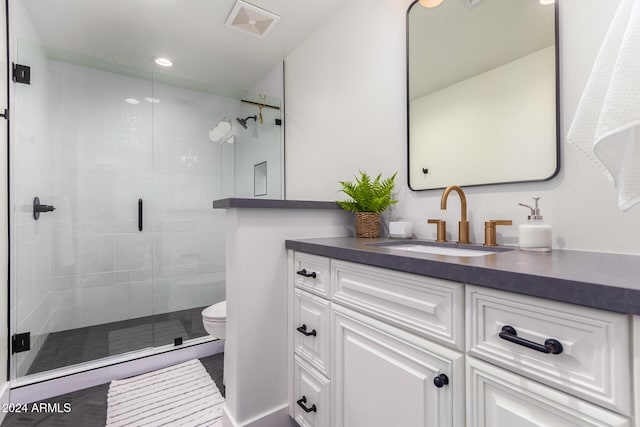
<point x="189" y="237"/>
<point x="81" y="274"/>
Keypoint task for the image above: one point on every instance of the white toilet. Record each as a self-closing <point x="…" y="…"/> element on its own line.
<point x="214" y="319"/>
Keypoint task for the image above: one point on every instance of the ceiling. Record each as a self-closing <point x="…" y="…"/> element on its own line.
<point x="189" y="32"/>
<point x="453" y="41"/>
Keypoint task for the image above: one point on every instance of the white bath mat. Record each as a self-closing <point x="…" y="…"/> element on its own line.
<point x="180" y="395"/>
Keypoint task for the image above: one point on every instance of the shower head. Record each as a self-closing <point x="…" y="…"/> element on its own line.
<point x="243" y="122"/>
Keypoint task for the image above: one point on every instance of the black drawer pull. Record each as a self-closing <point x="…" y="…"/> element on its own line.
<point x="303" y="330"/>
<point x="304" y="273"/>
<point x="550" y="346"/>
<point x="441" y="380"/>
<point x="301" y="403"/>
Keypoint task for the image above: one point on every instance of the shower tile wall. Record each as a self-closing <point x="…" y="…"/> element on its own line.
<point x="189" y="172"/>
<point x="106" y="153"/>
<point x="260" y="142"/>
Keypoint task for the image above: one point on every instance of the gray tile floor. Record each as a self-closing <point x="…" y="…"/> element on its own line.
<point x="89" y="406"/>
<point x="74" y="346"/>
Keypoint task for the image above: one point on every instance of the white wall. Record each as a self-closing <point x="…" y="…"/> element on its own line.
<point x="271" y="84"/>
<point x="346" y="110"/>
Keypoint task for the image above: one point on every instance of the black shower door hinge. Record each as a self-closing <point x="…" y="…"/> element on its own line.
<point x="5" y="114"/>
<point x="21" y="342"/>
<point x="22" y="74"/>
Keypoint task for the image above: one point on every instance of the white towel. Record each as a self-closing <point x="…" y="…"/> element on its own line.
<point x="606" y="127"/>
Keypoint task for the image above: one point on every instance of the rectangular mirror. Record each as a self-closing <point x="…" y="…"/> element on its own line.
<point x="482" y="94"/>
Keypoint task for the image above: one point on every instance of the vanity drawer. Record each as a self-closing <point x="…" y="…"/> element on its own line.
<point x="426" y="306"/>
<point x="594" y="362"/>
<point x="311" y="273"/>
<point x="312" y="335"/>
<point x="311" y="391"/>
<point x="496" y="398"/>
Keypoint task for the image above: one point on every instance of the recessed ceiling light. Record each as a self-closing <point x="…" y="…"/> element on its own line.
<point x="152" y="100"/>
<point x="164" y="62"/>
<point x="132" y="101"/>
<point x="547" y="1"/>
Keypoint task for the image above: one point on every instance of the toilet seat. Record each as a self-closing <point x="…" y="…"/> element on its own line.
<point x="215" y="313"/>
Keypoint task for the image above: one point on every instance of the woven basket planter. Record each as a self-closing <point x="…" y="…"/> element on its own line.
<point x="367" y="224"/>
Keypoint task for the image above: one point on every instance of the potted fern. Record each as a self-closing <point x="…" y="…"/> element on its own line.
<point x="368" y="199"/>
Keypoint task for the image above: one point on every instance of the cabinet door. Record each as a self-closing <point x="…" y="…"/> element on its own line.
<point x="384" y="376"/>
<point x="498" y="398"/>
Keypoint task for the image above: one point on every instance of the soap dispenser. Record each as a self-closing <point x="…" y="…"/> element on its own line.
<point x="535" y="235"/>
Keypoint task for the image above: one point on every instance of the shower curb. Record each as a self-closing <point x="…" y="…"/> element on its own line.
<point x="95" y="373"/>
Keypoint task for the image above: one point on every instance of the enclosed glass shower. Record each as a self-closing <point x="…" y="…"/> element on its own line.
<point x="122" y="250"/>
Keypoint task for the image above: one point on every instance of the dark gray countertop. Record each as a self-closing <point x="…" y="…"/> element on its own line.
<point x="272" y="204"/>
<point x="600" y="280"/>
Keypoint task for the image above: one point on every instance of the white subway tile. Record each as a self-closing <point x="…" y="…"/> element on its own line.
<point x="141" y="299"/>
<point x="122" y="252"/>
<point x="106" y="253"/>
<point x="141" y="275"/>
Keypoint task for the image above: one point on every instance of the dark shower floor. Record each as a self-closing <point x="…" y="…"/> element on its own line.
<point x="74" y="346"/>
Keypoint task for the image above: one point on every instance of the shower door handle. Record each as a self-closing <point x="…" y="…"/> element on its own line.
<point x="139" y="214"/>
<point x="38" y="208"/>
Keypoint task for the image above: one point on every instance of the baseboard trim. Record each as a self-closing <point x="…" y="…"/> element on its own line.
<point x="277" y="417"/>
<point x="81" y="380"/>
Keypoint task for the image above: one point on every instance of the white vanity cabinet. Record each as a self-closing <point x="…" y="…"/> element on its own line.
<point x="373" y="347"/>
<point x="399" y="349"/>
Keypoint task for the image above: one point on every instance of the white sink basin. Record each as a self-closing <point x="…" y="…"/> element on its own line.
<point x="439" y="250"/>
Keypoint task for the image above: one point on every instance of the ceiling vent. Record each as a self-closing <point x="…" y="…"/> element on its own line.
<point x="252" y="20"/>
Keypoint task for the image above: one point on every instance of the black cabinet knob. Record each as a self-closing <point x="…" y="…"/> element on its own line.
<point x="441" y="380"/>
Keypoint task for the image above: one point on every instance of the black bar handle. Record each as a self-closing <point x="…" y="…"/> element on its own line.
<point x="303" y="330"/>
<point x="139" y="214"/>
<point x="304" y="273"/>
<point x="301" y="403"/>
<point x="550" y="346"/>
<point x="441" y="380"/>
